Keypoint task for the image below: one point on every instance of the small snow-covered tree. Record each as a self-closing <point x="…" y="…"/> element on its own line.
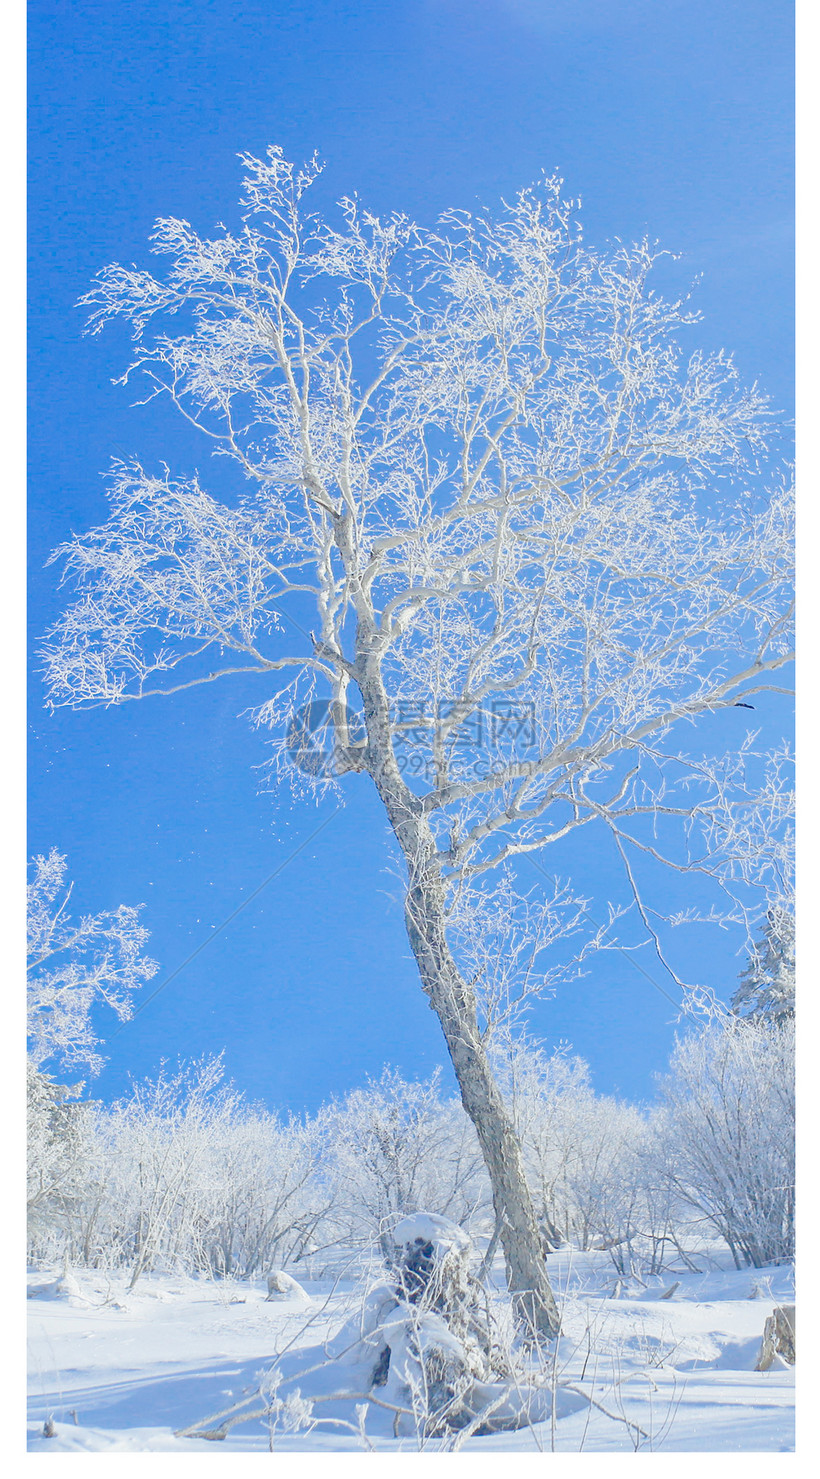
<point x="512" y="504"/>
<point x="730" y="1101"/>
<point x="74" y="966"/>
<point x="666" y="1218"/>
<point x="161" y="1136"/>
<point x="263" y="1199"/>
<point x="60" y="1155"/>
<point x="396" y="1148"/>
<point x="550" y="1099"/>
<point x="602" y="1183"/>
<point x="767" y="984"/>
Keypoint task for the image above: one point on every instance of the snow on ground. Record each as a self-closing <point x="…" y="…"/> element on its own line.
<point x="120" y="1372"/>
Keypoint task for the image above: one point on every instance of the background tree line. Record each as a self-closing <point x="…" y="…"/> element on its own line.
<point x="184" y="1173"/>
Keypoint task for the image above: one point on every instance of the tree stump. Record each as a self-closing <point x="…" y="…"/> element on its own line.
<point x="778" y="1337"/>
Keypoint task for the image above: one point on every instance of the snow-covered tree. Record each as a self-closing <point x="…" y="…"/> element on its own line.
<point x="164" y="1136"/>
<point x="181" y="1173"/>
<point x="74" y="966"/>
<point x="580" y="1150"/>
<point x="729" y="1123"/>
<point x="549" y="1096"/>
<point x="521" y="515"/>
<point x="767" y="984"/>
<point x="396" y="1148"/>
<point x="59" y="1136"/>
<point x="263" y="1199"/>
<point x="666" y="1218"/>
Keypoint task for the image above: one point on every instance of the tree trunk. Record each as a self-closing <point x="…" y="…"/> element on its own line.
<point x="454" y="1003"/>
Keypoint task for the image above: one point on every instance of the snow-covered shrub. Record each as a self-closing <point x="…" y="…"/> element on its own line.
<point x="433" y="1265"/>
<point x="729" y="1100"/>
<point x="550" y="1098"/>
<point x="427" y="1343"/>
<point x="665" y="1217"/>
<point x="395" y="1148"/>
<point x="61" y="1156"/>
<point x="208" y="1183"/>
<point x="180" y="1173"/>
<point x="602" y="1180"/>
<point x="579" y="1150"/>
<point x="264" y="1202"/>
<point x="161" y="1136"/>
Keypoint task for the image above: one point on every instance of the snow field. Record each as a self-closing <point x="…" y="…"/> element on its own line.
<point x="120" y="1372"/>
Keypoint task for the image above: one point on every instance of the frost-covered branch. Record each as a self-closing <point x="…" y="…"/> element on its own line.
<point x="74" y="966"/>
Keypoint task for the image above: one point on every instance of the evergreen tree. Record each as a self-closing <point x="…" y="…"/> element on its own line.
<point x="766" y="987"/>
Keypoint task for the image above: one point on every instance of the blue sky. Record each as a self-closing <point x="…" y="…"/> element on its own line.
<point x="672" y="119"/>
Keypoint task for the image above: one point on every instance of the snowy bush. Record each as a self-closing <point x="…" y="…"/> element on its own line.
<point x="61" y="1155"/>
<point x="395" y="1148"/>
<point x="580" y="1151"/>
<point x="730" y="1116"/>
<point x="209" y="1183"/>
<point x="427" y="1343"/>
<point x="550" y="1097"/>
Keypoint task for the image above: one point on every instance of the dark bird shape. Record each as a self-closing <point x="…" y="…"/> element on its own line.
<point x="744" y="706"/>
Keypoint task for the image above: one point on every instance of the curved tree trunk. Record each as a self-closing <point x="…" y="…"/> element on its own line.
<point x="453" y="1001"/>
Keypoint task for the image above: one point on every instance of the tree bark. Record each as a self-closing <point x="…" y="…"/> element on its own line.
<point x="454" y="1003"/>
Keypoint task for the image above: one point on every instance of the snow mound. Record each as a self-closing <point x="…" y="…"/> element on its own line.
<point x="283" y="1286"/>
<point x="73" y="1438"/>
<point x="65" y="1287"/>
